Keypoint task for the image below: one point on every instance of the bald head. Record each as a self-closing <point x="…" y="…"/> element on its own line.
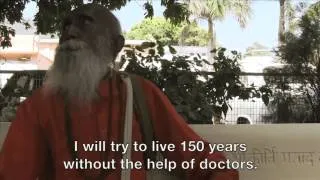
<point x="96" y="26"/>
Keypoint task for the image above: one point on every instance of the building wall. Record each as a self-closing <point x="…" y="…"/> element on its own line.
<point x="30" y="48"/>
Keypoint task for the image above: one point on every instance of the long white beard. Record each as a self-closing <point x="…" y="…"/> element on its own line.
<point x="77" y="72"/>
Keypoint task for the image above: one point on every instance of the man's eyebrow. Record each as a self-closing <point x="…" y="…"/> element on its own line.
<point x="66" y="21"/>
<point x="86" y="16"/>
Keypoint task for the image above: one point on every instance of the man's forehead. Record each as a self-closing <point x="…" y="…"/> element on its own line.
<point x="99" y="14"/>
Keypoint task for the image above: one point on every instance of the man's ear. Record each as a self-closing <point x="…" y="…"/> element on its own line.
<point x="119" y="43"/>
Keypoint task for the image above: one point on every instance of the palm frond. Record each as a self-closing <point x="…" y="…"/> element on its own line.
<point x="218" y="9"/>
<point x="242" y="11"/>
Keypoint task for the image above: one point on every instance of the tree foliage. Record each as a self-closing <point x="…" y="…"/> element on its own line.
<point x="192" y="35"/>
<point x="218" y="9"/>
<point x="11" y="12"/>
<point x="155" y="28"/>
<point x="293" y="13"/>
<point x="290" y="12"/>
<point x="302" y="52"/>
<point x="19" y="85"/>
<point x="213" y="10"/>
<point x="51" y="12"/>
<point x="281" y="30"/>
<point x="188" y="34"/>
<point x="196" y="95"/>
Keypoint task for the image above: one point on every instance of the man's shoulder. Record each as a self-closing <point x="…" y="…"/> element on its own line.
<point x="152" y="92"/>
<point x="146" y="84"/>
<point x="37" y="97"/>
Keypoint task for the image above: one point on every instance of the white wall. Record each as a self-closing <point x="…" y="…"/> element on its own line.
<point x="14" y="66"/>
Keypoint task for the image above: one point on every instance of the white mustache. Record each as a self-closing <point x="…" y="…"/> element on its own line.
<point x="72" y="45"/>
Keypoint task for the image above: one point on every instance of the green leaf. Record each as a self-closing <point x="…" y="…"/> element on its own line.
<point x="207" y="62"/>
<point x="225" y="108"/>
<point x="149" y="10"/>
<point x="172" y="50"/>
<point x="146" y="45"/>
<point x="183" y="79"/>
<point x="130" y="53"/>
<point x="160" y="50"/>
<point x="139" y="48"/>
<point x="152" y="52"/>
<point x="234" y="52"/>
<point x="265" y="99"/>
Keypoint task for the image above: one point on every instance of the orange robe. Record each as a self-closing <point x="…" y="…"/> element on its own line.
<point x="36" y="144"/>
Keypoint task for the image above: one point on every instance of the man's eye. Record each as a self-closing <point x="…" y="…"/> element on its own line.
<point x="66" y="25"/>
<point x="86" y="19"/>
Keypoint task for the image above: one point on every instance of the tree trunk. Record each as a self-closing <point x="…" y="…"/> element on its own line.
<point x="212" y="39"/>
<point x="281" y="30"/>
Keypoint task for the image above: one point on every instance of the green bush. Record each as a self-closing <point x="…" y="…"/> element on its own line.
<point x="197" y="95"/>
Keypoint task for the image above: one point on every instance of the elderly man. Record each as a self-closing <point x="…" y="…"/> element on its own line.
<point x="81" y="88"/>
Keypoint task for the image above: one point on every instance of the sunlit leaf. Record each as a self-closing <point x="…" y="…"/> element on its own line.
<point x="172" y="50"/>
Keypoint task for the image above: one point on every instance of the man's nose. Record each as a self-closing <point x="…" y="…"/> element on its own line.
<point x="71" y="32"/>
